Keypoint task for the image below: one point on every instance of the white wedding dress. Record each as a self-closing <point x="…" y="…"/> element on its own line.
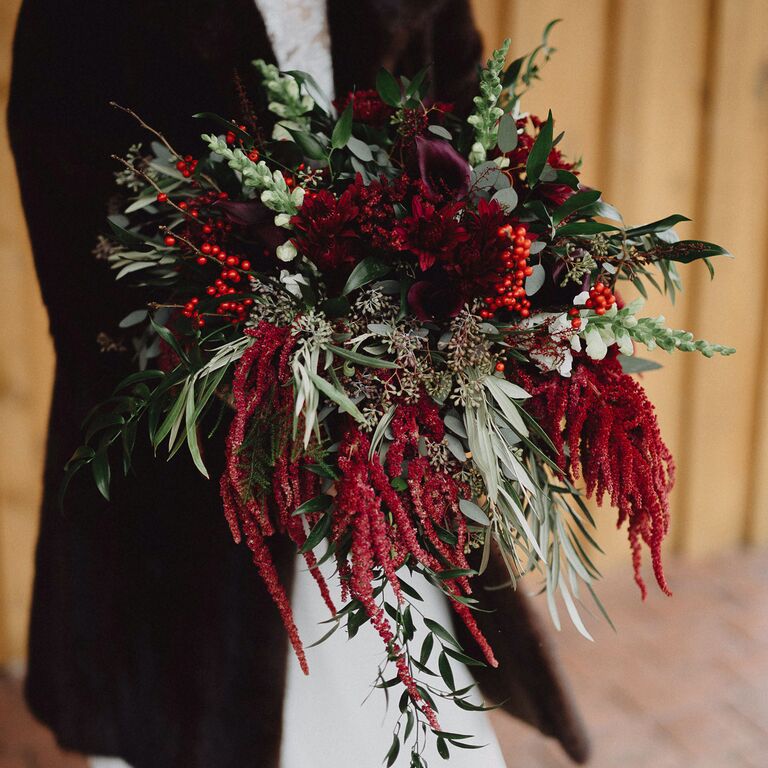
<point x="327" y="722"/>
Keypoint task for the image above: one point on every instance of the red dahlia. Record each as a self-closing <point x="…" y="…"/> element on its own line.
<point x="432" y="233"/>
<point x="325" y="231"/>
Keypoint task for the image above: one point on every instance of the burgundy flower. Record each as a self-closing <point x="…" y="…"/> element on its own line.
<point x="257" y="221"/>
<point x="431" y="233"/>
<point x="367" y="107"/>
<point x="325" y="231"/>
<point x="443" y="170"/>
<point x="436" y="297"/>
<point x="476" y="264"/>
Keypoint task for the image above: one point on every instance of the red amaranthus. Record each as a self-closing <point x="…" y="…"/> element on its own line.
<point x="256" y="504"/>
<point x="386" y="526"/>
<point x="609" y="426"/>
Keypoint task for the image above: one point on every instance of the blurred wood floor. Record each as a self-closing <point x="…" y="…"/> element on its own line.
<point x="683" y="684"/>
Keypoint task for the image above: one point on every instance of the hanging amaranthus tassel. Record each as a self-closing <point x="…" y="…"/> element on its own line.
<point x="387" y="526"/>
<point x="265" y="478"/>
<point x="609" y="425"/>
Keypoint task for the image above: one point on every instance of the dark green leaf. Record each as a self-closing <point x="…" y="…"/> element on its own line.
<point x="336" y="307"/>
<point x="574" y="203"/>
<point x="360" y="359"/>
<point x="537" y="158"/>
<point x="445" y="670"/>
<point x="394" y="751"/>
<point x="426" y="648"/>
<point x="317" y="534"/>
<point x="399" y="484"/>
<point x="101" y="471"/>
<point x="366" y="271"/>
<point x="388" y="88"/>
<point x="442" y="633"/>
<point x="317" y="504"/>
<point x="657" y="226"/>
<point x="442" y="748"/>
<point x="686" y="251"/>
<point x="585" y="228"/>
<point x="310" y="147"/>
<point x="124" y="236"/>
<point x="343" y="128"/>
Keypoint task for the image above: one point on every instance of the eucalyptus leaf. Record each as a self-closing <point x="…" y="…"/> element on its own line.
<point x="507" y="133"/>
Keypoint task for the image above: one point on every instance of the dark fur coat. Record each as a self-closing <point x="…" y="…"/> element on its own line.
<point x="152" y="637"/>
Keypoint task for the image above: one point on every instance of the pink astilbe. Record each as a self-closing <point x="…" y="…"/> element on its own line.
<point x="609" y="426"/>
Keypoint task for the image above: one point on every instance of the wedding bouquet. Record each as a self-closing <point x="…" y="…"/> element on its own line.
<point x="410" y="325"/>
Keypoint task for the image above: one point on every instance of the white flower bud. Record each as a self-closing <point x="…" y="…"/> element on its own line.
<point x="286" y="251"/>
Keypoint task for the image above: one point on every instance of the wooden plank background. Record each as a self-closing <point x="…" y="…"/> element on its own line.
<point x="667" y="103"/>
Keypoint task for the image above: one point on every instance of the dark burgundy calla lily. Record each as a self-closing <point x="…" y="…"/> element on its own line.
<point x="257" y="220"/>
<point x="435" y="298"/>
<point x="443" y="170"/>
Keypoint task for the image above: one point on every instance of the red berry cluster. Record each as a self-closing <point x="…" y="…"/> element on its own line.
<point x="575" y="318"/>
<point x="186" y="166"/>
<point x="231" y="137"/>
<point x="600" y="299"/>
<point x="510" y="286"/>
<point x="207" y="234"/>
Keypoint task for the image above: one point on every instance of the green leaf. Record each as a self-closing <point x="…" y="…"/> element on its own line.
<point x="657" y="226"/>
<point x="124" y="236"/>
<point x="343" y="128"/>
<point x="574" y="203"/>
<point x="336" y="307"/>
<point x="310" y="147"/>
<point x="340" y="398"/>
<point x="442" y="633"/>
<point x="360" y="359"/>
<point x="388" y="88"/>
<point x="394" y="751"/>
<point x="317" y="534"/>
<point x="415" y="88"/>
<point x="686" y="251"/>
<point x="474" y="512"/>
<point x="399" y="484"/>
<point x="360" y="149"/>
<point x="366" y="271"/>
<point x="507" y="135"/>
<point x="537" y="158"/>
<point x="101" y="471"/>
<point x="455" y="573"/>
<point x="442" y="748"/>
<point x="317" y="504"/>
<point x="507" y="199"/>
<point x="426" y="648"/>
<point x="445" y="670"/>
<point x="133" y="318"/>
<point x="632" y="364"/>
<point x="585" y="228"/>
<point x="169" y="339"/>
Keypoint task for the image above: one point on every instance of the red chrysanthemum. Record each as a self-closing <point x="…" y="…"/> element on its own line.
<point x="431" y="233"/>
<point x="325" y="232"/>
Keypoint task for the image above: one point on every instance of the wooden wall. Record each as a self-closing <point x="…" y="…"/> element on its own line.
<point x="667" y="102"/>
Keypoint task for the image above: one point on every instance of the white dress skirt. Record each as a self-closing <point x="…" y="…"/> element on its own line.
<point x="331" y="719"/>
